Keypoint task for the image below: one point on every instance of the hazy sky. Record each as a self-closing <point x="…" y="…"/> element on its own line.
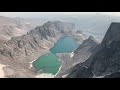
<point x="36" y="14"/>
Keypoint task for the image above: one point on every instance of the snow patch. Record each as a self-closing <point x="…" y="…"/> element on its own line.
<point x="31" y="64"/>
<point x="64" y="75"/>
<point x="71" y="54"/>
<point x="2" y="74"/>
<point x="45" y="75"/>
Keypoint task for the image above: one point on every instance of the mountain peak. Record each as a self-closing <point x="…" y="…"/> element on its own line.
<point x="105" y="62"/>
<point x="54" y="22"/>
<point x="84" y="51"/>
<point x="113" y="33"/>
<point x="91" y="37"/>
<point x="79" y="31"/>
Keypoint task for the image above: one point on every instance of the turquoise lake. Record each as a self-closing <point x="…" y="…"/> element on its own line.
<point x="49" y="63"/>
<point x="64" y="44"/>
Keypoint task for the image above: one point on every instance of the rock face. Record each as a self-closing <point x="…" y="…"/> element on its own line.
<point x="79" y="36"/>
<point x="12" y="27"/>
<point x="66" y="63"/>
<point x="81" y="54"/>
<point x="113" y="75"/>
<point x="85" y="50"/>
<point x="18" y="52"/>
<point x="106" y="61"/>
<point x="54" y="29"/>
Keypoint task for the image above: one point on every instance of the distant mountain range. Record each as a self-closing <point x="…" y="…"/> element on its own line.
<point x="12" y="27"/>
<point x="90" y="24"/>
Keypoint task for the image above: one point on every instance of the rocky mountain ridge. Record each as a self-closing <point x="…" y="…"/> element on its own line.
<point x="105" y="62"/>
<point x="81" y="54"/>
<point x="12" y="27"/>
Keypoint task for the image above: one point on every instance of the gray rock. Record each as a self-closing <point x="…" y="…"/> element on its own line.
<point x="113" y="75"/>
<point x="106" y="60"/>
<point x="81" y="54"/>
<point x="85" y="50"/>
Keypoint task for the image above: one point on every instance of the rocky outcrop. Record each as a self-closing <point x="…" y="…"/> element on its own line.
<point x="79" y="32"/>
<point x="66" y="63"/>
<point x="79" y="36"/>
<point x="18" y="52"/>
<point x="81" y="54"/>
<point x="113" y="75"/>
<point x="85" y="50"/>
<point x="106" y="61"/>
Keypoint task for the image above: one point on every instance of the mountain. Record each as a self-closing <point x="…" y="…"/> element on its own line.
<point x="12" y="27"/>
<point x="105" y="63"/>
<point x="79" y="36"/>
<point x="81" y="54"/>
<point x="85" y="50"/>
<point x="91" y="24"/>
<point x="18" y="52"/>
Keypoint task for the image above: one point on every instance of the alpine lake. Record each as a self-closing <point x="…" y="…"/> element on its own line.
<point x="50" y="63"/>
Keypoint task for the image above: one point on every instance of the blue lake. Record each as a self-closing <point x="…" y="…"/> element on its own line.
<point x="49" y="63"/>
<point x="64" y="44"/>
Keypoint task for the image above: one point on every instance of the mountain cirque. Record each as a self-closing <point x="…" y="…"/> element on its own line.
<point x="18" y="52"/>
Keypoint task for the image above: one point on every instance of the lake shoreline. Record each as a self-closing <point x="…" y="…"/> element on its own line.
<point x="42" y="75"/>
<point x="65" y="40"/>
<point x="59" y="69"/>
